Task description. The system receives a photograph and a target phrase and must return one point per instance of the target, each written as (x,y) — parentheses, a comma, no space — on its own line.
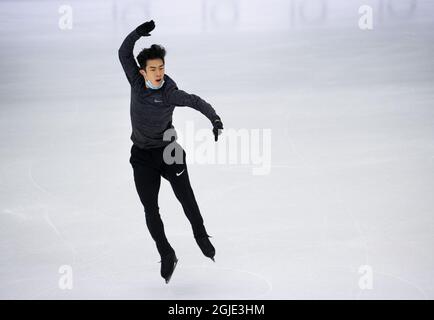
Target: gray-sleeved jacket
(151,110)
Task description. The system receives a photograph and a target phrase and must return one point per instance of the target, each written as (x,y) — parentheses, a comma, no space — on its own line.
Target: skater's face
(154,71)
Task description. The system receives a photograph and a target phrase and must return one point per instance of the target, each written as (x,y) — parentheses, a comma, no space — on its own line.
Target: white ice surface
(351,114)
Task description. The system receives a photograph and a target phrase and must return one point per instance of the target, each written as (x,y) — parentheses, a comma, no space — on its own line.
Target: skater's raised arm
(127,58)
(125,52)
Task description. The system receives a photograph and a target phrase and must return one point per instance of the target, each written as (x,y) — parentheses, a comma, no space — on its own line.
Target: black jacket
(151,110)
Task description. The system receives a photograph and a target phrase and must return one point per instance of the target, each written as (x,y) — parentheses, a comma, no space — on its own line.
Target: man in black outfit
(155,152)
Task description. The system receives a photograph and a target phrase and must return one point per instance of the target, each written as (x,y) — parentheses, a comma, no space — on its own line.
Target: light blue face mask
(151,86)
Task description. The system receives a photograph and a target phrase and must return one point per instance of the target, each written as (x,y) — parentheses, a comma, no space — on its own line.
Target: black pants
(149,166)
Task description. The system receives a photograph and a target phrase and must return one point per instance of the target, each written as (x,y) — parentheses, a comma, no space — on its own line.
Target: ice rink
(344,208)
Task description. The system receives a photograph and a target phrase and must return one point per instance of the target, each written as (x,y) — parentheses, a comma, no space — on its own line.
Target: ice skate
(206,246)
(168,265)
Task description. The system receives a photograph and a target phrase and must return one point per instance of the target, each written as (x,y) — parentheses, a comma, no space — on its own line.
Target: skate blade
(174,266)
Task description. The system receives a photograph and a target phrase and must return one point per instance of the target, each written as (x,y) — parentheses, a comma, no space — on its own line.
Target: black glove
(218,126)
(145,28)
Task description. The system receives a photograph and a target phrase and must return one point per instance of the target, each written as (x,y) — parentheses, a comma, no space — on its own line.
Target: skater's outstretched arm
(181,98)
(126,55)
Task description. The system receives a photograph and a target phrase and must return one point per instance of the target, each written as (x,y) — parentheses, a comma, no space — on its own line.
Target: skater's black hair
(154,52)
